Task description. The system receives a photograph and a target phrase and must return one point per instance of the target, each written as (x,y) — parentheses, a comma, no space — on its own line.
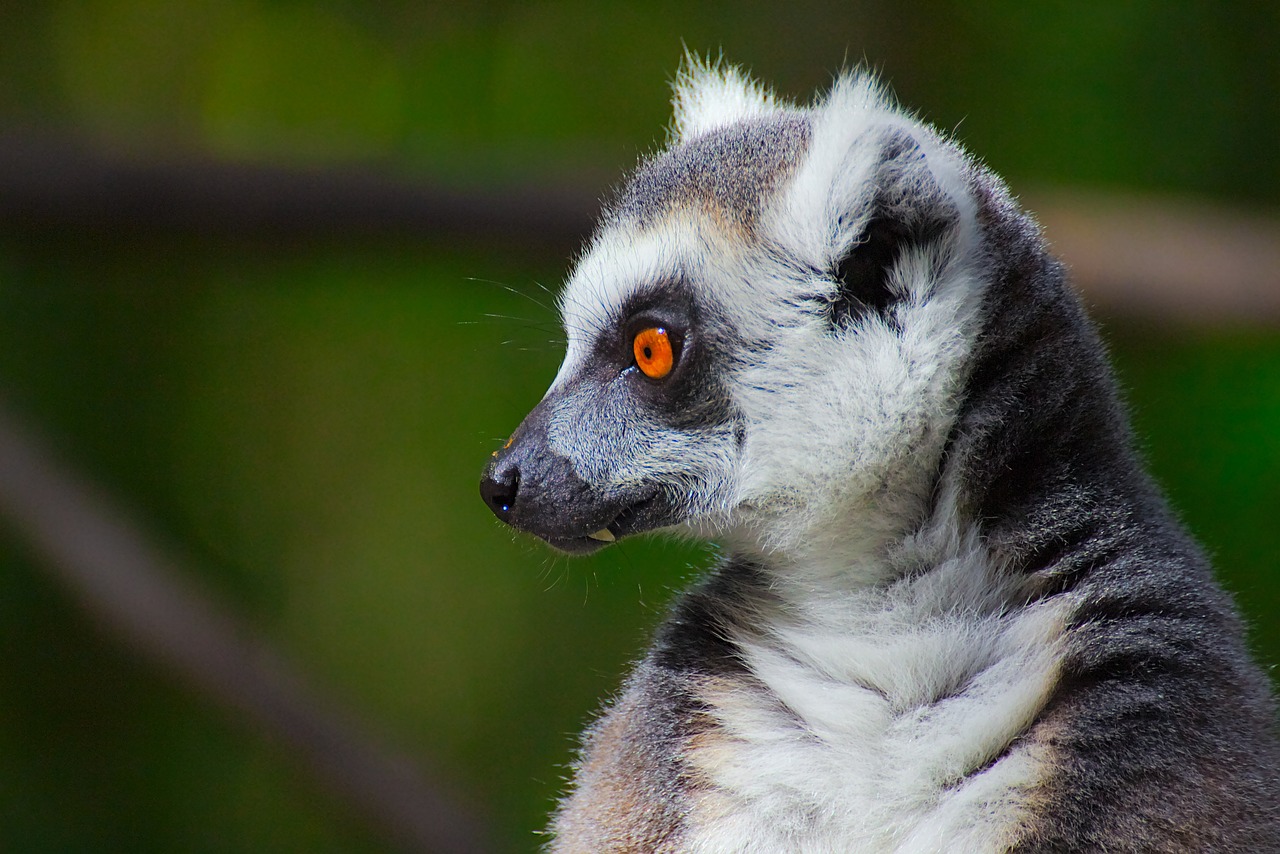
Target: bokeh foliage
(308,421)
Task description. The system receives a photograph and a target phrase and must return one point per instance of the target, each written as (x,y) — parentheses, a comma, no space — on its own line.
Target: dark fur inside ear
(910,209)
(863,273)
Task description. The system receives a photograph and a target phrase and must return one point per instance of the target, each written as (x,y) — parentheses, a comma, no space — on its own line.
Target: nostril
(498,488)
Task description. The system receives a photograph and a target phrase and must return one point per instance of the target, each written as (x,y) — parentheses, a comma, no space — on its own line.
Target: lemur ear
(711,95)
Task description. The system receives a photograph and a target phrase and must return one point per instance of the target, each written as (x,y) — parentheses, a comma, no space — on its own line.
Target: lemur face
(766,330)
(634,426)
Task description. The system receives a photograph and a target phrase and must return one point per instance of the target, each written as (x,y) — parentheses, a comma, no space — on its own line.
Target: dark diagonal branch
(142,593)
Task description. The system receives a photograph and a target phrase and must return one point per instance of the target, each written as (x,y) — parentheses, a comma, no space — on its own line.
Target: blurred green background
(308,420)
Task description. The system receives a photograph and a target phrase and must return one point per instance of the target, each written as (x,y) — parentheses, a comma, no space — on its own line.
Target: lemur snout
(499,486)
(532,488)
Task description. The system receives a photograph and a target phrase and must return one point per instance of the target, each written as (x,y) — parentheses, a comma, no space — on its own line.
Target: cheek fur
(614,444)
(836,423)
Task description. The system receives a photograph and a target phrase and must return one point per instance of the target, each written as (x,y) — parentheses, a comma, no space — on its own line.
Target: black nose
(498,487)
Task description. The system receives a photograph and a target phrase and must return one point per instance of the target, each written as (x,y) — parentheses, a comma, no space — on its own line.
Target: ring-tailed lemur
(953,613)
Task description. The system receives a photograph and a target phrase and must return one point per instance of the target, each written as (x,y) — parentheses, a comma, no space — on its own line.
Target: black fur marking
(909,209)
(692,396)
(863,273)
(1131,609)
(1160,728)
(1058,548)
(695,638)
(1059,563)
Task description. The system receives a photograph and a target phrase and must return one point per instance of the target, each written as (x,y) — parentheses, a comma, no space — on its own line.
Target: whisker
(514,290)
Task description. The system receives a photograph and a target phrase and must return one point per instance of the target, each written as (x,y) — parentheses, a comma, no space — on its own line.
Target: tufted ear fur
(710,95)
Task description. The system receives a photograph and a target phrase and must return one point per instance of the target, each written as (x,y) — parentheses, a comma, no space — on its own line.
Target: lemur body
(953,613)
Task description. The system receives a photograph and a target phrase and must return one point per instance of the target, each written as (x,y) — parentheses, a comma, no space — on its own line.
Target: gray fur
(731,171)
(1163,729)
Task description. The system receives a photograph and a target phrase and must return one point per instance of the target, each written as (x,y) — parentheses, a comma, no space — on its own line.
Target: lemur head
(766,334)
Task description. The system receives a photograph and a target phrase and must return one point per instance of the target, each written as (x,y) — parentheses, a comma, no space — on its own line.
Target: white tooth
(603,535)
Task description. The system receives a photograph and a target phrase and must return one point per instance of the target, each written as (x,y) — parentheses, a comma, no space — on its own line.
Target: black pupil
(648,352)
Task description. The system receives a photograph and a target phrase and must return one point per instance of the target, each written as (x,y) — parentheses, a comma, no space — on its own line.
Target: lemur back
(953,613)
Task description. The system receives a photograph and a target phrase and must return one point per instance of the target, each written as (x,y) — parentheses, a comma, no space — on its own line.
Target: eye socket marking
(653,352)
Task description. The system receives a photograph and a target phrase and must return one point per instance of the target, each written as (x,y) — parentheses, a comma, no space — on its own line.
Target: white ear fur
(840,162)
(711,95)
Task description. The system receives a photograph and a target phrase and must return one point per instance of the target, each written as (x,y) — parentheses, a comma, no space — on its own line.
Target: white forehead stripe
(620,262)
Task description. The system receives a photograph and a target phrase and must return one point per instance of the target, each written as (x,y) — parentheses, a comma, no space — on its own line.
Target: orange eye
(653,352)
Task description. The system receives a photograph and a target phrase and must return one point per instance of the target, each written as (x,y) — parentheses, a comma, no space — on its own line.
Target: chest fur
(900,732)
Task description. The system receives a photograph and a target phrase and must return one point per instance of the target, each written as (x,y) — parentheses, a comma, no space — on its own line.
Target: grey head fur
(729,172)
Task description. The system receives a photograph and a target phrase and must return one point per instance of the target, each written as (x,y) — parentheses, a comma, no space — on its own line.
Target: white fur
(711,95)
(881,704)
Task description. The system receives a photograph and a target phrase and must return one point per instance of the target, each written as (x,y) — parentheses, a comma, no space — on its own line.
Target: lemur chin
(953,612)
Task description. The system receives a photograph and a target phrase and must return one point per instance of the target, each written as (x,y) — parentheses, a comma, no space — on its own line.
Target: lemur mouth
(540,493)
(644,515)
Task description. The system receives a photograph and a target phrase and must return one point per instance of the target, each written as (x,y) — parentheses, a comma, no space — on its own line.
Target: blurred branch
(141,593)
(1168,258)
(1149,257)
(51,184)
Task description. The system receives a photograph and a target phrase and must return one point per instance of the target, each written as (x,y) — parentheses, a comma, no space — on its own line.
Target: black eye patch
(667,305)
